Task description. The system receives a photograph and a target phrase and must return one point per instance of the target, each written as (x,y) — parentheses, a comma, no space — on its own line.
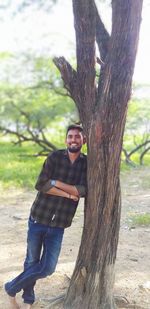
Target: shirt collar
(66,154)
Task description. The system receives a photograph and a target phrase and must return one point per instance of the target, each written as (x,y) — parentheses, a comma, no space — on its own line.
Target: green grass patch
(126,167)
(140,219)
(18,166)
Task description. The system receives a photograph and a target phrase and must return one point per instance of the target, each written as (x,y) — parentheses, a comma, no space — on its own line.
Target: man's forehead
(74,132)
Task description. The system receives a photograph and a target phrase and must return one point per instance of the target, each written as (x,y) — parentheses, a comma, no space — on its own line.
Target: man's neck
(73,155)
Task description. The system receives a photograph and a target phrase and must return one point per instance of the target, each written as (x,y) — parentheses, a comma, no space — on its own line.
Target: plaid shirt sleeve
(82,186)
(43,182)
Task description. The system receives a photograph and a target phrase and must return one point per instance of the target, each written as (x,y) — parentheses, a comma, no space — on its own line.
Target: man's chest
(67,172)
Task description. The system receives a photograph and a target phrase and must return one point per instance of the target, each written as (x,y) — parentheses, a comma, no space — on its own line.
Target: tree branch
(102,36)
(128,155)
(81,83)
(143,154)
(69,77)
(138,147)
(68,74)
(33,137)
(127,158)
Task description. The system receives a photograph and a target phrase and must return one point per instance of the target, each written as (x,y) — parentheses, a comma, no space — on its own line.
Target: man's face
(74,140)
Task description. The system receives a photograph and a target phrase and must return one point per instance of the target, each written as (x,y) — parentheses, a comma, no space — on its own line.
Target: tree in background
(137,132)
(34,103)
(102,108)
(32,108)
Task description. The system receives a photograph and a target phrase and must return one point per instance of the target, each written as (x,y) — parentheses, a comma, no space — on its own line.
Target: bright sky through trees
(53,33)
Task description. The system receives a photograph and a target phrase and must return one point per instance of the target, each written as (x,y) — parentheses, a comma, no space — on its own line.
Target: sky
(53,34)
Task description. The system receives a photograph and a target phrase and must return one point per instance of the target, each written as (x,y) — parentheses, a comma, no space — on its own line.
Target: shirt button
(53,217)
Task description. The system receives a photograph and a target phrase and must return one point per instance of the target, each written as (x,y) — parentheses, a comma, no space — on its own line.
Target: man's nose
(73,138)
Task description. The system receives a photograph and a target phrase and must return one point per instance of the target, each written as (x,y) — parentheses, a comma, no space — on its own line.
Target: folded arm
(76,190)
(67,188)
(59,192)
(63,189)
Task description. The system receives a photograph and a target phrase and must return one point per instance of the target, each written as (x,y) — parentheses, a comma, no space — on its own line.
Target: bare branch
(143,154)
(68,74)
(22,112)
(102,36)
(69,77)
(138,147)
(128,155)
(33,137)
(127,158)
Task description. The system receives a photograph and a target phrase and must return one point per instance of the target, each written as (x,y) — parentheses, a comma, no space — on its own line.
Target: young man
(60,185)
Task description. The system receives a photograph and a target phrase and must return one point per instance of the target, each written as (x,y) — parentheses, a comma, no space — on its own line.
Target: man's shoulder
(83,156)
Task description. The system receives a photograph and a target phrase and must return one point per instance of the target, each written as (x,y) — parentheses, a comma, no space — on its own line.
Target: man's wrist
(53,182)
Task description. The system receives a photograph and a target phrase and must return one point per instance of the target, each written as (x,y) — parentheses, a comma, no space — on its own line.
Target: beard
(74,149)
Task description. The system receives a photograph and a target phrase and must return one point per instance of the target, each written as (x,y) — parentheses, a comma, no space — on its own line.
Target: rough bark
(102,110)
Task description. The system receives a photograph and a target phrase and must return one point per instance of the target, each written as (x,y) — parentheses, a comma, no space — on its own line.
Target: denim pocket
(31,220)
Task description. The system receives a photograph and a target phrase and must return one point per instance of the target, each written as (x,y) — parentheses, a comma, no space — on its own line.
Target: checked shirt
(57,211)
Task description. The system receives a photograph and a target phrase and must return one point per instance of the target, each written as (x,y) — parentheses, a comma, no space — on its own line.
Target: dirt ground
(133,259)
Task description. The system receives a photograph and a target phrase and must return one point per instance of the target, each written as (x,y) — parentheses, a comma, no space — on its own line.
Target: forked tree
(102,107)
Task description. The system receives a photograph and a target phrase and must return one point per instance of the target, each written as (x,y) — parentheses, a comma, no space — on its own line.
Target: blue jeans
(43,248)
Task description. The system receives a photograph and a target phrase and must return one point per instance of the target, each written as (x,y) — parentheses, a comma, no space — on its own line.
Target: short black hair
(74,127)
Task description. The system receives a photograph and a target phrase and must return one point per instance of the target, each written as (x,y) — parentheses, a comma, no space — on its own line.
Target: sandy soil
(133,259)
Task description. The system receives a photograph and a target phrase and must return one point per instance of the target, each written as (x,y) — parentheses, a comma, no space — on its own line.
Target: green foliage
(17,167)
(140,219)
(138,117)
(137,130)
(43,103)
(125,167)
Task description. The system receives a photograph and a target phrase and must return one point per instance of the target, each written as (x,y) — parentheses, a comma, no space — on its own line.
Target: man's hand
(73,197)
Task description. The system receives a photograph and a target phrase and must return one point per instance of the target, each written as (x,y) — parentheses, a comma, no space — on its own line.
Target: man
(61,183)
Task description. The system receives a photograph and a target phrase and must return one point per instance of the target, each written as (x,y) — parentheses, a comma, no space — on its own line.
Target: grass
(18,167)
(140,219)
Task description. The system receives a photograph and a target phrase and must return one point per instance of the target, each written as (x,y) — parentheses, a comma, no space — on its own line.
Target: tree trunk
(102,109)
(92,282)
